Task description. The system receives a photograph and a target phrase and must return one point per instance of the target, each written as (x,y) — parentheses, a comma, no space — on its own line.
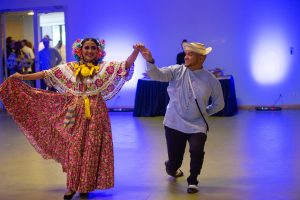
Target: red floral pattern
(110,88)
(99,82)
(58,73)
(69,84)
(110,69)
(120,71)
(81,87)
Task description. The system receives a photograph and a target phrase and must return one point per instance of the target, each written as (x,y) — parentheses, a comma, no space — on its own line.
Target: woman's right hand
(17,75)
(29,77)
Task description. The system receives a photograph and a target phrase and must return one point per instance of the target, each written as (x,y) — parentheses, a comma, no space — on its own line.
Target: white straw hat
(196,47)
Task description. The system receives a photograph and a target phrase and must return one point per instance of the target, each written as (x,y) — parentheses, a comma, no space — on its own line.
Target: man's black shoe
(177,174)
(192,189)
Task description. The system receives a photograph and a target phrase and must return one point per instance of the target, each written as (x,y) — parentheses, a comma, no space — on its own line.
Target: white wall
(15,29)
(235,29)
(28,29)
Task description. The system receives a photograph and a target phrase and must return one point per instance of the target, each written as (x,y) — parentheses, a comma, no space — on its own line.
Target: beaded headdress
(77,49)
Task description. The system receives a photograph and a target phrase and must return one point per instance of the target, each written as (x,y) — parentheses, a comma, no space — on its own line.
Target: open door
(3,71)
(50,24)
(32,25)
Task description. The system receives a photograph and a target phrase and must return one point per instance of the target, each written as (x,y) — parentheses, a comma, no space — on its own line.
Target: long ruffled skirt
(84,150)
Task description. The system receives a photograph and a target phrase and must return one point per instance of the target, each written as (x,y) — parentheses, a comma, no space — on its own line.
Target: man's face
(193,60)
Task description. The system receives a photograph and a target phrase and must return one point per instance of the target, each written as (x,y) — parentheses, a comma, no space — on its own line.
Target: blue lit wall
(251,40)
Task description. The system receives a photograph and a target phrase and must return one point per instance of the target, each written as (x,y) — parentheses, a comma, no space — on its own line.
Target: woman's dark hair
(90,39)
(18,48)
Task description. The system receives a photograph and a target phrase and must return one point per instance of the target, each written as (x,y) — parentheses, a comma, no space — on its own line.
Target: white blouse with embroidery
(108,80)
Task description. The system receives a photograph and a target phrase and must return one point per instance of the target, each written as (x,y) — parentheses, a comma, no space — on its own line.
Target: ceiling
(46,19)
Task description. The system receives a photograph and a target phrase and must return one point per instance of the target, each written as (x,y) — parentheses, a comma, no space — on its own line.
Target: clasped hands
(146,53)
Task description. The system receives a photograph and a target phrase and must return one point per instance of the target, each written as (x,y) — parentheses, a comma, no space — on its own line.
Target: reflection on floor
(250,156)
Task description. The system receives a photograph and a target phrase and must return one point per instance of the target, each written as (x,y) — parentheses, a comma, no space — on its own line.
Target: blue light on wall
(270,57)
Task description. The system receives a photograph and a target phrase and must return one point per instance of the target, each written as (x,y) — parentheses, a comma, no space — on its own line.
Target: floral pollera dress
(57,126)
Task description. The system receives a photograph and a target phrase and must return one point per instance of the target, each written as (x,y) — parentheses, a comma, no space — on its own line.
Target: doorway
(31,25)
(53,25)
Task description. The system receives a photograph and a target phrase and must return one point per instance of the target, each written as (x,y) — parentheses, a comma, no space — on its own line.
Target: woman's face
(89,51)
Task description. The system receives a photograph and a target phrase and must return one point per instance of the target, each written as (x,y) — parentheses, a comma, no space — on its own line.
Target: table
(151,98)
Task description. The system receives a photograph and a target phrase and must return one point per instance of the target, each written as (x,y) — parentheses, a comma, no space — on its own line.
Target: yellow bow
(92,68)
(85,70)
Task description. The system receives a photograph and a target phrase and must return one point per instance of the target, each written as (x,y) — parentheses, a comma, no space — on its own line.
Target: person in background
(180,55)
(62,50)
(18,61)
(11,60)
(190,88)
(49,57)
(28,51)
(9,45)
(72,126)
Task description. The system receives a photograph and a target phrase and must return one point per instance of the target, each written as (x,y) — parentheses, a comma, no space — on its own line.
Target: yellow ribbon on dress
(85,69)
(87,107)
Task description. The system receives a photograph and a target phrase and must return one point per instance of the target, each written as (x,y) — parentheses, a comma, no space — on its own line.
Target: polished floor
(250,156)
